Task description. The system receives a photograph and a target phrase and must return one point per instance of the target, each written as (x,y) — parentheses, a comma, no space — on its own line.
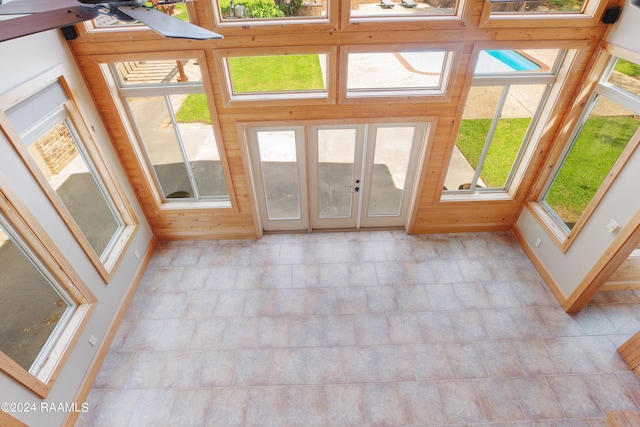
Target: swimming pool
(496,61)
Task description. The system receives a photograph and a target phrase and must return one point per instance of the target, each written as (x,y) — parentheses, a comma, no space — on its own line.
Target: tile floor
(360,329)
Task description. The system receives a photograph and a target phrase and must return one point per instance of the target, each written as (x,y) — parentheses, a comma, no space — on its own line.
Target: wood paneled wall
(429,213)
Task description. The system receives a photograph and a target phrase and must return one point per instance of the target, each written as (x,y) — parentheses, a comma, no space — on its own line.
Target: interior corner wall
(621,202)
(22,60)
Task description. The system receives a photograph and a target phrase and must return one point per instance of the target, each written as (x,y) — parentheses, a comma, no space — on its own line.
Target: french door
(335,176)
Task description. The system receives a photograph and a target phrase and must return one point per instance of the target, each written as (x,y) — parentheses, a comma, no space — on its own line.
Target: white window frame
(440,94)
(309,97)
(553,224)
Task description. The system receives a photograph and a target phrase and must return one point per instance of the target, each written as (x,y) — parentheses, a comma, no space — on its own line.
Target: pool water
(499,61)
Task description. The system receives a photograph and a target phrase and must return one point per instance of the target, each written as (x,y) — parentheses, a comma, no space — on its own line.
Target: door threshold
(333,230)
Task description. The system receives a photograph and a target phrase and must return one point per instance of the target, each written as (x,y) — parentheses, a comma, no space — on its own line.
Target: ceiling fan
(42,15)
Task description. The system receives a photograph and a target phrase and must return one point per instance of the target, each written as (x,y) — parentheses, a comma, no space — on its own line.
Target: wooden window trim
(130,225)
(43,246)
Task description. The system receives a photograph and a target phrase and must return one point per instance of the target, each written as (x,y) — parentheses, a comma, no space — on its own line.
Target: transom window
(402,9)
(239,11)
(500,7)
(419,72)
(255,77)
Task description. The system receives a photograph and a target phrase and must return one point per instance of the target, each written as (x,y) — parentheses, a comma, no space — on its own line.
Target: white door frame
(307,173)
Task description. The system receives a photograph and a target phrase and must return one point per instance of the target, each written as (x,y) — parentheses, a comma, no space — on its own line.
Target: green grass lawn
(194,109)
(593,155)
(503,149)
(282,73)
(599,145)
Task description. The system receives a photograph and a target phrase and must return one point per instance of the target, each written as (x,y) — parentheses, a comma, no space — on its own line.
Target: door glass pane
(31,307)
(153,119)
(58,156)
(390,163)
(279,167)
(336,151)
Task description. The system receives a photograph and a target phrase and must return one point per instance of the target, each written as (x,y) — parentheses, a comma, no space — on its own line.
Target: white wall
(23,59)
(621,202)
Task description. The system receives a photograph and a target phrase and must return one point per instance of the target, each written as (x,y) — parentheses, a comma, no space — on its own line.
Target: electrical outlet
(93,340)
(538,242)
(137,254)
(613,227)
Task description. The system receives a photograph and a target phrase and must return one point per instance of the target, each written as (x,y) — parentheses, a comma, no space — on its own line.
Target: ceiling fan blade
(31,24)
(167,25)
(23,7)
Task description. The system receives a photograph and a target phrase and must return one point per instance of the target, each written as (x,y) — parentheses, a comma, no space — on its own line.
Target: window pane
(625,76)
(194,125)
(178,11)
(58,156)
(271,10)
(278,73)
(394,71)
(492,62)
(32,309)
(519,108)
(390,163)
(336,153)
(474,130)
(157,72)
(489,144)
(160,140)
(402,8)
(597,147)
(279,162)
(520,7)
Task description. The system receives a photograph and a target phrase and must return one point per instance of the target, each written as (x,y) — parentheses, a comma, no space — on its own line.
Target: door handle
(357,187)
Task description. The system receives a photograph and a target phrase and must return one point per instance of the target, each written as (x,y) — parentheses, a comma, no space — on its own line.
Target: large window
(62,155)
(42,306)
(605,137)
(503,105)
(167,104)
